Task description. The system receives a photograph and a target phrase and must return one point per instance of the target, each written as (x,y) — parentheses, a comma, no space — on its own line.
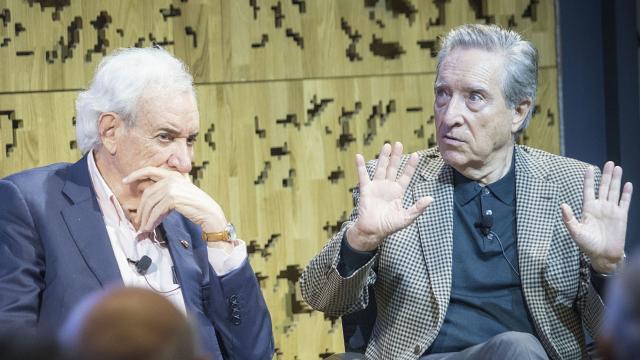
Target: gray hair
(121,81)
(520,79)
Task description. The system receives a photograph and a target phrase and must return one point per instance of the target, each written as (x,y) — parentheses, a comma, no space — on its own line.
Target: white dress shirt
(127,243)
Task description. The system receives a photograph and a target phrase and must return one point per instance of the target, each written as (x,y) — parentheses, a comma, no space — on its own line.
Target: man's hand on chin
(170,190)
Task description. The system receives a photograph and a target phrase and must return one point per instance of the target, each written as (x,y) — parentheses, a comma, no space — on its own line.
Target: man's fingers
(394,163)
(383,161)
(625,199)
(588,191)
(150,191)
(143,217)
(418,208)
(149,172)
(614,189)
(569,219)
(158,213)
(605,182)
(363,176)
(409,169)
(150,197)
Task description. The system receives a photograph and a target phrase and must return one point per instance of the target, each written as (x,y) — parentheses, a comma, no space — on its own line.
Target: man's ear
(519,114)
(108,124)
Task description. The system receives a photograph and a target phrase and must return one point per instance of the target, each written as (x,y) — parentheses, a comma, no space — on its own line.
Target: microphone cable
(485,228)
(491,235)
(142,266)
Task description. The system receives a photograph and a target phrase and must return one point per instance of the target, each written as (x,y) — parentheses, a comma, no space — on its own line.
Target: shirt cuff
(351,259)
(223,262)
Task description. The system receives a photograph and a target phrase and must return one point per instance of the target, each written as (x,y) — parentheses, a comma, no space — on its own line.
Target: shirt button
(417,350)
(485,191)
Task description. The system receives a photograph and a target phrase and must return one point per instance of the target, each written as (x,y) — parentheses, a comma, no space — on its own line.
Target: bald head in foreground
(129,324)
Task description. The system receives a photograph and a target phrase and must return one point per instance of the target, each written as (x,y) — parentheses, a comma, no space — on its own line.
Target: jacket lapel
(435,226)
(86,225)
(187,270)
(536,208)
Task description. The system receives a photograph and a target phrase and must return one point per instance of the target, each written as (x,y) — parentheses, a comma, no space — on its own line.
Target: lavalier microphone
(141,265)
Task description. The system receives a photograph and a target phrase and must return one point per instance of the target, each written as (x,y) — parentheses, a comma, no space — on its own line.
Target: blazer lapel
(86,225)
(536,208)
(435,226)
(187,269)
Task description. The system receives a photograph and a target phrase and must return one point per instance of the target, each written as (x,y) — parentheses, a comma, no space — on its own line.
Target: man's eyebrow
(476,88)
(169,130)
(175,132)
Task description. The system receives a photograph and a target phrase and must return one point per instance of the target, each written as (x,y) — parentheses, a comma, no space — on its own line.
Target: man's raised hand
(380,210)
(601,231)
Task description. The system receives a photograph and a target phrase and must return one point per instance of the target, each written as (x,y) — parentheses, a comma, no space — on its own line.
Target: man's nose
(180,158)
(454,112)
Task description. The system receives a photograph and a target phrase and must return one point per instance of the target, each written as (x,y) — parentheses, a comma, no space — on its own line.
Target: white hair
(520,80)
(121,81)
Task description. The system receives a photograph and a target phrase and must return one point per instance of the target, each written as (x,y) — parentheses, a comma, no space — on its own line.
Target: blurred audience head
(620,337)
(128,323)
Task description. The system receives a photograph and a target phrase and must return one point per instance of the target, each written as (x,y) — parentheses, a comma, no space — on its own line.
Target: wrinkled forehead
(180,111)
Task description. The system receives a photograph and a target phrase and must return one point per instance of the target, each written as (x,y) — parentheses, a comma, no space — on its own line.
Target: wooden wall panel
(225,43)
(280,122)
(63,53)
(544,130)
(36,129)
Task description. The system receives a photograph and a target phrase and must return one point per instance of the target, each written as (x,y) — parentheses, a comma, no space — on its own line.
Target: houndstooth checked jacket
(411,271)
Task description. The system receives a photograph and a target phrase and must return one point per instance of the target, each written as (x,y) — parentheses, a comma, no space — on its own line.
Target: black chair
(357,326)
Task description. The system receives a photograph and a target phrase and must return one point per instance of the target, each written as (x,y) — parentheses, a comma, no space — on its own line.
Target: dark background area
(598,47)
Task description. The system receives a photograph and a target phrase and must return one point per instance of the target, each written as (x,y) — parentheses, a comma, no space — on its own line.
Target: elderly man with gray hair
(127,213)
(472,248)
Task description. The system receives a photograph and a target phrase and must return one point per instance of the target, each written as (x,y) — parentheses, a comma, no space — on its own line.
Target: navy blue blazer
(55,250)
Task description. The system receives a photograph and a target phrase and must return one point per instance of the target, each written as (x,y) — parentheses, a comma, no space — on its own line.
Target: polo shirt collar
(504,189)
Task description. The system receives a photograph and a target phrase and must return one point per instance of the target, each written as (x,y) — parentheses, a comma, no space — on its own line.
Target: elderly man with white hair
(472,248)
(127,213)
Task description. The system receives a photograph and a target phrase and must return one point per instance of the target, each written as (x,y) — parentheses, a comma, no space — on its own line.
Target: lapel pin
(185,244)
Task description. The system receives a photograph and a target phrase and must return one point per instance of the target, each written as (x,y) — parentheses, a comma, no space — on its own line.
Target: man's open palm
(601,231)
(380,210)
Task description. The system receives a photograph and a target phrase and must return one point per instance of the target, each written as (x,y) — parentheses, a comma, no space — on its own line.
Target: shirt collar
(503,189)
(465,188)
(111,209)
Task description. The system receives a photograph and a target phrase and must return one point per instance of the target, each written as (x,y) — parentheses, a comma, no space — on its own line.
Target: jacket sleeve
(321,284)
(21,263)
(589,301)
(239,313)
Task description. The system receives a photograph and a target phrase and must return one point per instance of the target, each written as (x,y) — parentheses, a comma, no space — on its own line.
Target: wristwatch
(228,234)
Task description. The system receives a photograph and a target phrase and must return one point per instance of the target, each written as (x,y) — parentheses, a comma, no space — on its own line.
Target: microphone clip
(486,222)
(142,265)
